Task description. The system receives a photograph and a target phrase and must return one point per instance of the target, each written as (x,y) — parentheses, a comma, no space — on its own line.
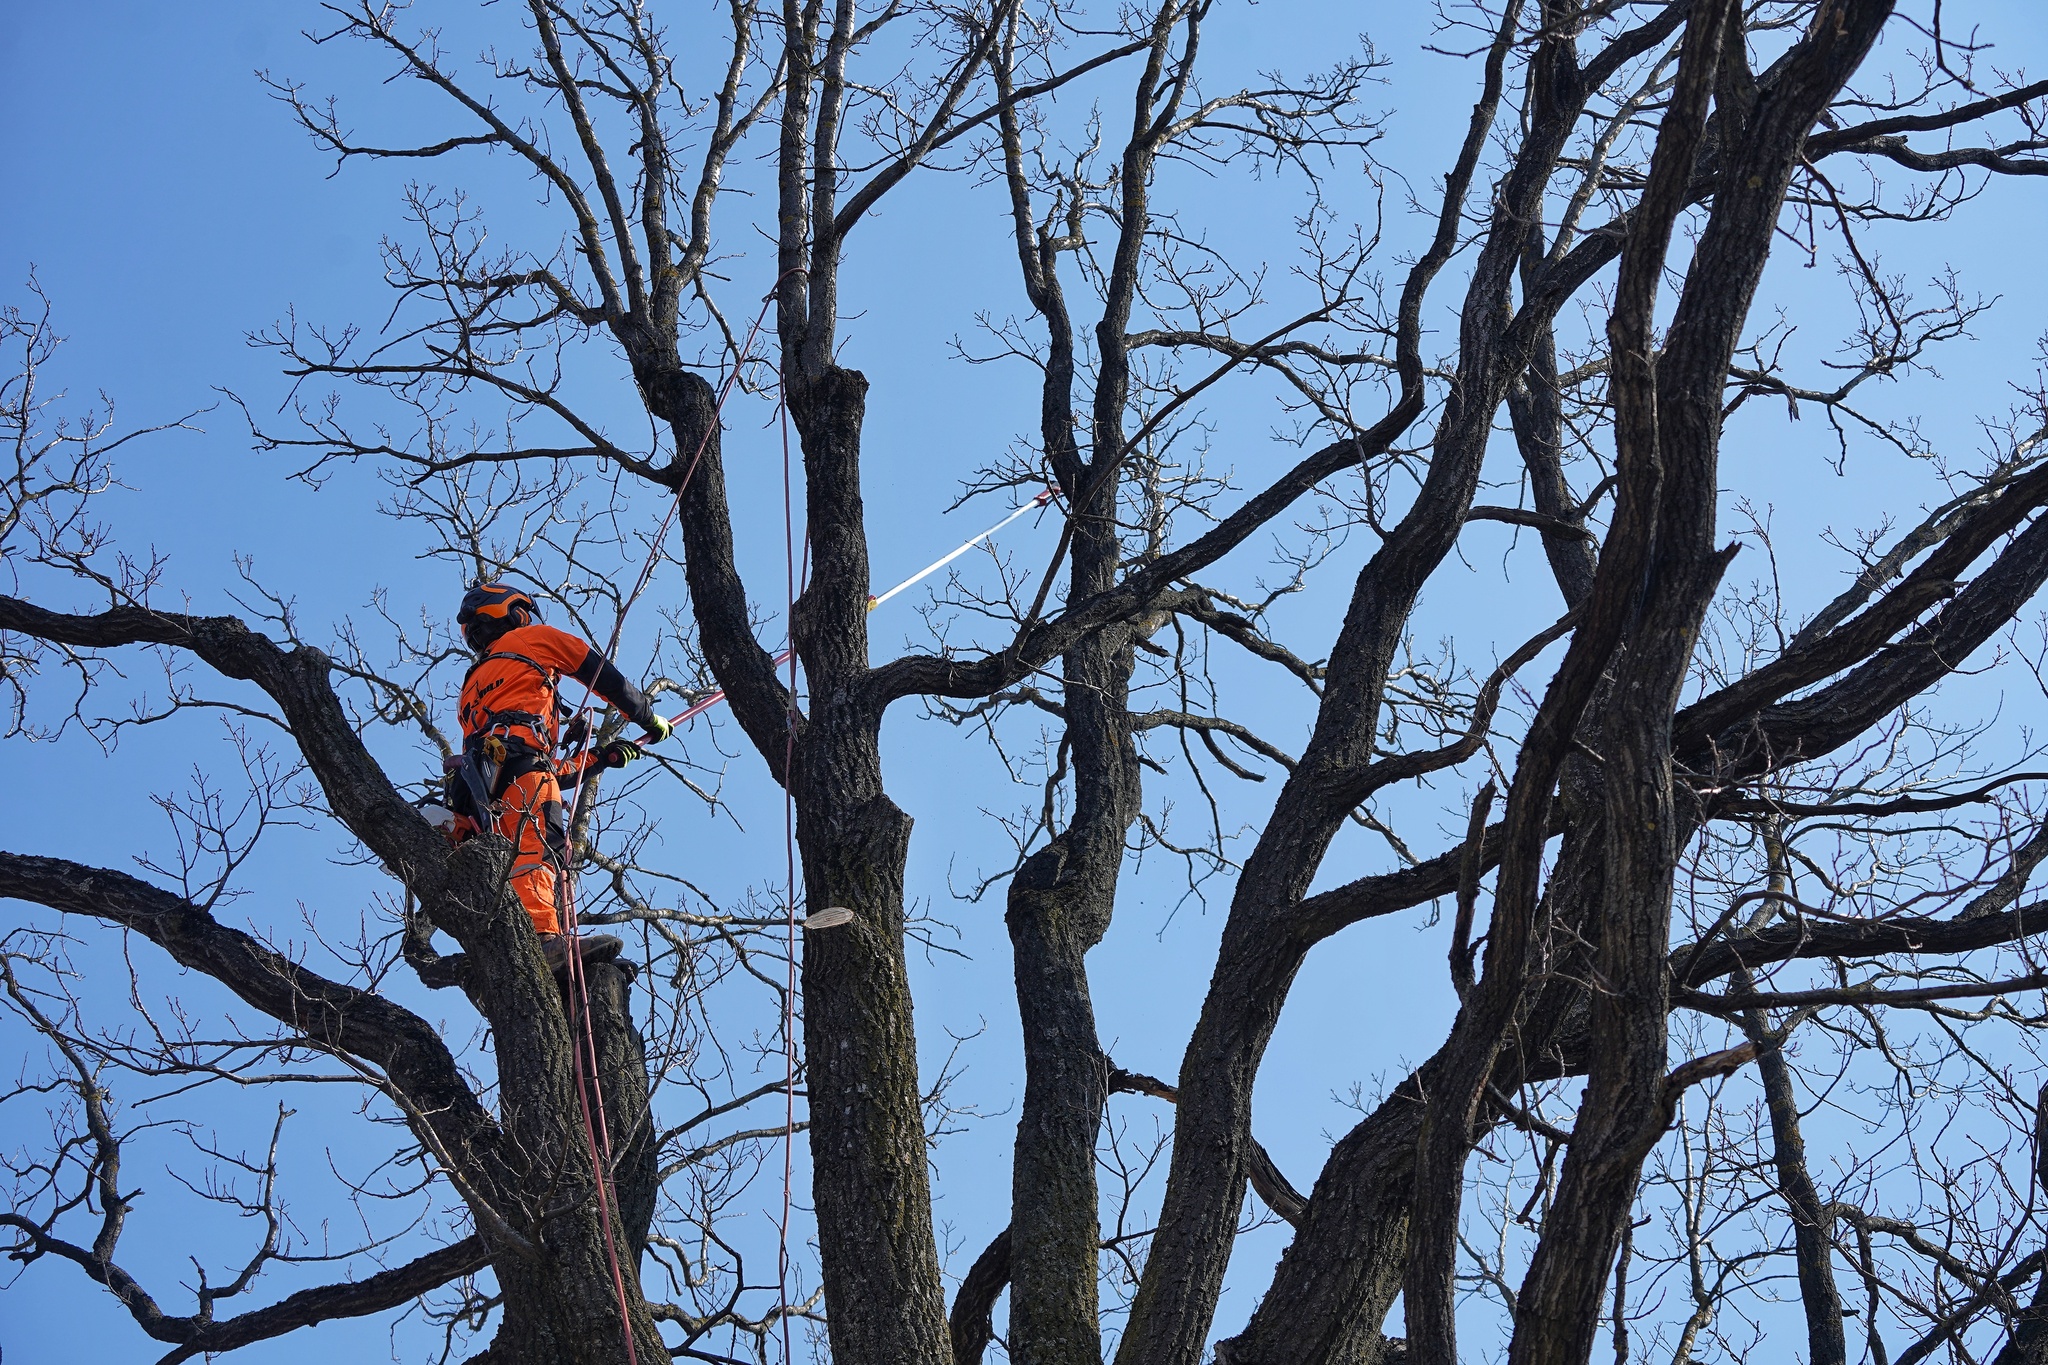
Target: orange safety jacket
(511,690)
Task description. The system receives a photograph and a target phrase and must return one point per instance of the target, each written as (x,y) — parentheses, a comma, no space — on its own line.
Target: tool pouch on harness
(491,759)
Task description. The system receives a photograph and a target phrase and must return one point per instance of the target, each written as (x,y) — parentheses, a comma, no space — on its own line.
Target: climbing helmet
(498,604)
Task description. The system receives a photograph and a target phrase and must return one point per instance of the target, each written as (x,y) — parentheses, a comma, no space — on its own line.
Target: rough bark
(1340,1275)
(885,1299)
(1333,1288)
(1677,433)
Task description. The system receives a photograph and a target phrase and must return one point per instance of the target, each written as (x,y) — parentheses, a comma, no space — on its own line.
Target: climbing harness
(500,747)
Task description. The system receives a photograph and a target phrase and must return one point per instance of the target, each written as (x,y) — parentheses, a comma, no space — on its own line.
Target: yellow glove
(660,730)
(619,753)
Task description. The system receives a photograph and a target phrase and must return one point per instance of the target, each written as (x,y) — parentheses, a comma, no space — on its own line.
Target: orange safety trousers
(531,817)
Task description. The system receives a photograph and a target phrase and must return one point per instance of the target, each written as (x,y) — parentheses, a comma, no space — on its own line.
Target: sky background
(169,207)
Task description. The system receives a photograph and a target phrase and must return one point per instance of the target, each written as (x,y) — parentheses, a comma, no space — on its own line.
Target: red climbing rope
(789,899)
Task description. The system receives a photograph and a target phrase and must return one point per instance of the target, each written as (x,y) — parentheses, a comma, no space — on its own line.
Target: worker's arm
(560,650)
(602,676)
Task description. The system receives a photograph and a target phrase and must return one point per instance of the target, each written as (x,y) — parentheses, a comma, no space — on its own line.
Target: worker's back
(514,684)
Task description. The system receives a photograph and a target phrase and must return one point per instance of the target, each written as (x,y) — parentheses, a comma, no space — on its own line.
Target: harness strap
(494,719)
(534,664)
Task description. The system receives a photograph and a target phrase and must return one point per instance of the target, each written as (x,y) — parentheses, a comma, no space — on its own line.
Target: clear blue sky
(168,206)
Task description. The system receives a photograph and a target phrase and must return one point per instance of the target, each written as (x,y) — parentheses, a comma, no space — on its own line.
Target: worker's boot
(590,947)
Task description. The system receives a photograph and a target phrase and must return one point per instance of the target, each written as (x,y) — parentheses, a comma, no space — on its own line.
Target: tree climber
(509,776)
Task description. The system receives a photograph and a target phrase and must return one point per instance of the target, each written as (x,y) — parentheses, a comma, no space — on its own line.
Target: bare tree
(1742,814)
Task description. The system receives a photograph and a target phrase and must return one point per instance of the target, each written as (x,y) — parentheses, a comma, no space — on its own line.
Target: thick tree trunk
(563,1311)
(1059,908)
(1341,1274)
(561,1306)
(1559,1308)
(1212,1133)
(885,1301)
(629,1122)
(1060,905)
(884,1298)
(561,1297)
(1054,1226)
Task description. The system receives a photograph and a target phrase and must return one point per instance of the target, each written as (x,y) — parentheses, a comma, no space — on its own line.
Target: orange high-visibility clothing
(533,819)
(510,693)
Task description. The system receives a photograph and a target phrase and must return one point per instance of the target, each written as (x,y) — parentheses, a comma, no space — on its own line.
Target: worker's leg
(533,821)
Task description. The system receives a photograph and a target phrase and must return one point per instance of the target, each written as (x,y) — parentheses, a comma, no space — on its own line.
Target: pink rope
(789,901)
